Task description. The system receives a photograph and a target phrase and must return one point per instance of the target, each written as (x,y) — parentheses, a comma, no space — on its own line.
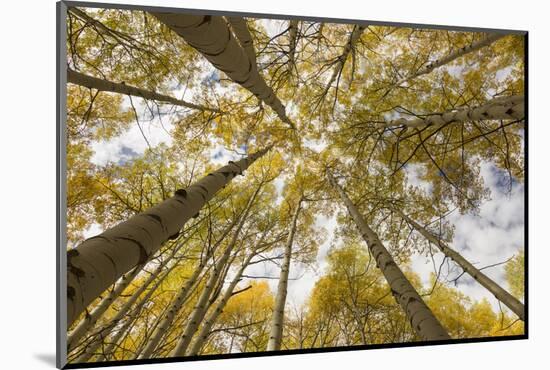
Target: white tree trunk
(277,320)
(502,295)
(201,306)
(91,82)
(421,318)
(210,36)
(502,108)
(350,46)
(218,309)
(241,32)
(126,312)
(486,41)
(107,327)
(293,35)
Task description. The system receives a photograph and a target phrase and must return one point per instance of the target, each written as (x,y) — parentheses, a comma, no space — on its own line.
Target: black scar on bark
(78,272)
(72,253)
(181,193)
(70,292)
(174,237)
(510,111)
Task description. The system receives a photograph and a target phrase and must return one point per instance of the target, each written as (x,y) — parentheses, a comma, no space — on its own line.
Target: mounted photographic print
(235,185)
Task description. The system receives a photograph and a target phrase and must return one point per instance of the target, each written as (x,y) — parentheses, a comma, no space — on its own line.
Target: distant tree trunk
(182,296)
(210,36)
(421,318)
(99,261)
(501,108)
(218,309)
(293,35)
(350,46)
(90,319)
(201,306)
(91,82)
(474,46)
(276,332)
(502,295)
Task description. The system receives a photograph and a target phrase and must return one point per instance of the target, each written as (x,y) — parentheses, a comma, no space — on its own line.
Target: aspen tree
(99,84)
(99,261)
(212,38)
(502,295)
(182,296)
(501,108)
(422,320)
(276,333)
(201,306)
(448,58)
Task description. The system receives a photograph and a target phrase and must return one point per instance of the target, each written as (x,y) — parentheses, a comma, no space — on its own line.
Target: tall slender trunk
(210,36)
(293,35)
(182,296)
(508,107)
(502,295)
(91,82)
(474,46)
(421,318)
(218,309)
(126,312)
(90,319)
(201,306)
(350,46)
(99,261)
(276,332)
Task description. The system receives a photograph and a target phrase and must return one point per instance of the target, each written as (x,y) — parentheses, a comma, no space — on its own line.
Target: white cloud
(492,237)
(113,150)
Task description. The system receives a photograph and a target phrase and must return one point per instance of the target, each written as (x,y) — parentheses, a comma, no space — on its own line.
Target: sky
(493,236)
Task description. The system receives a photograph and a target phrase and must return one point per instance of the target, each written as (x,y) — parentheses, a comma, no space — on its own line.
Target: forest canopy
(237,184)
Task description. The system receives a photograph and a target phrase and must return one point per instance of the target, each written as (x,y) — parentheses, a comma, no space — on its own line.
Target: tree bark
(276,332)
(502,108)
(241,32)
(91,82)
(90,319)
(421,318)
(99,261)
(502,295)
(210,36)
(201,306)
(474,46)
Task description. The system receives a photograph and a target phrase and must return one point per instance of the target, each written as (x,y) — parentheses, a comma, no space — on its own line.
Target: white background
(27,182)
